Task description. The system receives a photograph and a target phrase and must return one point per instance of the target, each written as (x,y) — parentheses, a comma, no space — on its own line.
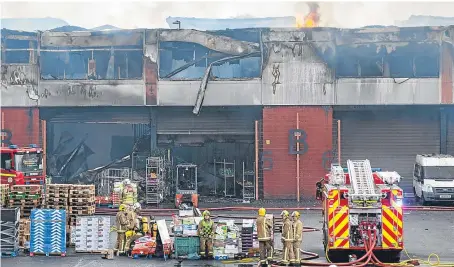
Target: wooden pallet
(20,195)
(57,207)
(63,254)
(37,189)
(57,194)
(82,212)
(56,199)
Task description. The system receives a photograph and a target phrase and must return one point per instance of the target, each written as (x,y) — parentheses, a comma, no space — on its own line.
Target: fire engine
(22,165)
(360,204)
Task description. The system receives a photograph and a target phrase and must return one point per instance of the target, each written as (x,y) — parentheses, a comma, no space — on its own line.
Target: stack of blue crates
(48,232)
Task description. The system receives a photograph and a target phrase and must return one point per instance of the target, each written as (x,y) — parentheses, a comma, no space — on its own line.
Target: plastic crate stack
(116,195)
(81,201)
(225,244)
(4,191)
(24,233)
(48,232)
(249,241)
(25,197)
(92,233)
(9,231)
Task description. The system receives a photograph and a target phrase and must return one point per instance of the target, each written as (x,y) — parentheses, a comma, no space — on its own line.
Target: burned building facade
(243,96)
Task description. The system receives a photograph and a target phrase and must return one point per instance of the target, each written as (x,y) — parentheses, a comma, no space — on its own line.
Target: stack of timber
(25,197)
(82,201)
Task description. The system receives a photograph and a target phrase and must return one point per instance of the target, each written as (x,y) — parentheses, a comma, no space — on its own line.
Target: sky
(152,14)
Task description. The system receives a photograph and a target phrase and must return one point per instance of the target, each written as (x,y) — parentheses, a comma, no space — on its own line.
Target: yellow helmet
(122,207)
(284,213)
(262,212)
(144,219)
(206,213)
(296,214)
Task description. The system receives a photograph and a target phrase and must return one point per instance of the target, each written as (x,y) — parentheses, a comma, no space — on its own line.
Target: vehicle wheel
(424,202)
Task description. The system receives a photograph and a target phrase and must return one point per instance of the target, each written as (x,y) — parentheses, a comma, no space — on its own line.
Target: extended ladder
(361,178)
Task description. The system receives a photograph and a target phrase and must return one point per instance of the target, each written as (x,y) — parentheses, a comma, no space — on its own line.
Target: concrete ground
(425,233)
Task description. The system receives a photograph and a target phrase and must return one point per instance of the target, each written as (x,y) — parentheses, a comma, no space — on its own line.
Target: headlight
(429,189)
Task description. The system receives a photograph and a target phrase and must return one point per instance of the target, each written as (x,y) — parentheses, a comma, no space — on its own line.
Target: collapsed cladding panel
(92,56)
(186,54)
(19,47)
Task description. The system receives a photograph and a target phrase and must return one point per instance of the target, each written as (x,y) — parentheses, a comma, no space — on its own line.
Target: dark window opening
(4,158)
(175,56)
(91,64)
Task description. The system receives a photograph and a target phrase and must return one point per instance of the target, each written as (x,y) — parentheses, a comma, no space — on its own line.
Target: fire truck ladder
(361,177)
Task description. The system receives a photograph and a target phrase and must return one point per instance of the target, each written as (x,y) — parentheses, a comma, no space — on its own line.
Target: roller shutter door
(450,134)
(210,121)
(389,139)
(124,115)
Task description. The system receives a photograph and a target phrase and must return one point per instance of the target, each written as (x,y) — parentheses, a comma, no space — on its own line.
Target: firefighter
(128,195)
(132,226)
(287,238)
(122,224)
(206,231)
(264,231)
(297,235)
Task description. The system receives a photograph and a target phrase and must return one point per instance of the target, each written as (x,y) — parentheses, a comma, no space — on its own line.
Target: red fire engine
(22,165)
(362,212)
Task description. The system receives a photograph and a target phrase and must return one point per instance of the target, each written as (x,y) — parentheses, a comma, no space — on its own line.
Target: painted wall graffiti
(18,75)
(85,90)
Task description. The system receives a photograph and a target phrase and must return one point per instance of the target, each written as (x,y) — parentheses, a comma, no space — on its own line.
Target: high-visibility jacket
(298,230)
(264,228)
(206,228)
(287,230)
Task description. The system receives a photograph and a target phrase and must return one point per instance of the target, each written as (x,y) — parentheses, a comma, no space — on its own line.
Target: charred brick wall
(279,159)
(20,126)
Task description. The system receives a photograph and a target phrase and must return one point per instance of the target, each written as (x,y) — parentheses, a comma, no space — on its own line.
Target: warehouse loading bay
(426,232)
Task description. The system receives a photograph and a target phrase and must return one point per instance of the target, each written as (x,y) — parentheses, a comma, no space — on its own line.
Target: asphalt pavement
(425,232)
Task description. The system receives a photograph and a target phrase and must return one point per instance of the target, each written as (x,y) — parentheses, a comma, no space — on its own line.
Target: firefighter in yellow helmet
(287,238)
(206,232)
(264,231)
(297,235)
(132,226)
(122,224)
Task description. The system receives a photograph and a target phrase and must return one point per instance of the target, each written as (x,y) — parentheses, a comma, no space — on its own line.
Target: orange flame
(311,20)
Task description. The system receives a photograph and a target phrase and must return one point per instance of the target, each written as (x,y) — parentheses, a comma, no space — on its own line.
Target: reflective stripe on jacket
(264,228)
(287,230)
(298,230)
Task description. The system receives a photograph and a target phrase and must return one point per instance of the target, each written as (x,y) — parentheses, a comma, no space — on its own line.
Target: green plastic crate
(186,245)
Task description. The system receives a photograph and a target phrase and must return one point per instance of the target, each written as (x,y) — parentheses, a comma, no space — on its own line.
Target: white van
(433,178)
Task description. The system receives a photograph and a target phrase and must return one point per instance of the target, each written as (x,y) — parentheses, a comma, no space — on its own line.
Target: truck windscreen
(438,172)
(28,162)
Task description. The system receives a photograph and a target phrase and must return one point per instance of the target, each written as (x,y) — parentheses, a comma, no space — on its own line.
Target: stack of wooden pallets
(57,196)
(4,191)
(81,201)
(24,233)
(25,197)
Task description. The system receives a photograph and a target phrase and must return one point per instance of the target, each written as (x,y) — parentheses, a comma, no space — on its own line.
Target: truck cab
(22,165)
(433,178)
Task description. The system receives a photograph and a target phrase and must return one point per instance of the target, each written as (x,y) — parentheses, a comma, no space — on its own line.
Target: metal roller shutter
(390,139)
(125,115)
(450,135)
(210,121)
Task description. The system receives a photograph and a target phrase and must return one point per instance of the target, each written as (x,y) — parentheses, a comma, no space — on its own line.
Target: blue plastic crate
(48,231)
